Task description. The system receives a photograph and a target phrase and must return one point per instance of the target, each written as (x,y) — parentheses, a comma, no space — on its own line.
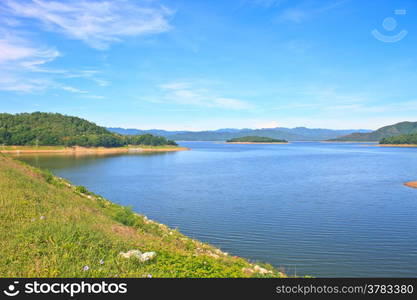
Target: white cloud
(304,12)
(96,23)
(16,83)
(89,74)
(101,82)
(17,51)
(22,67)
(72,89)
(186,93)
(20,60)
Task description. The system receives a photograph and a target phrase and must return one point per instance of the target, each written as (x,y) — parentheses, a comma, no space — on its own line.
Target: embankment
(51,228)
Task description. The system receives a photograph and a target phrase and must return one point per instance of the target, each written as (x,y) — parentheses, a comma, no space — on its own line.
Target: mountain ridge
(291,134)
(388,131)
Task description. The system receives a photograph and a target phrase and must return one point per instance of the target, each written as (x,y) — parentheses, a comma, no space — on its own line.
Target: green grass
(50,228)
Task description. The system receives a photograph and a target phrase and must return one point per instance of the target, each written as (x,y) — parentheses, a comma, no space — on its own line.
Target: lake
(322,209)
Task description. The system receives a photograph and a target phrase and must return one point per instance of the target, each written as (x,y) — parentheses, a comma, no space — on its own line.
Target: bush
(48,176)
(81,189)
(125,216)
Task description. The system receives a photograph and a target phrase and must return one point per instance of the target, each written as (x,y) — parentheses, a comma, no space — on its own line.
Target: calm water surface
(311,208)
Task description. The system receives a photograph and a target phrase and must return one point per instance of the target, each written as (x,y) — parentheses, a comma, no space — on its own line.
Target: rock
(220,252)
(248,271)
(213,255)
(130,253)
(139,255)
(256,269)
(261,270)
(148,256)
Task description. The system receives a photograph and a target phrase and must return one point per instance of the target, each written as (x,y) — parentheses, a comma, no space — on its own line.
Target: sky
(202,65)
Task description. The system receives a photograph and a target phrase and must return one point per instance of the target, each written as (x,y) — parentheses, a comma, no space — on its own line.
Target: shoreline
(411,184)
(88,150)
(356,142)
(257,143)
(398,145)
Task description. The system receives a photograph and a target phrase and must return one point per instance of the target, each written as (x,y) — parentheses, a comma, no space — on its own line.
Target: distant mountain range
(289,134)
(381,133)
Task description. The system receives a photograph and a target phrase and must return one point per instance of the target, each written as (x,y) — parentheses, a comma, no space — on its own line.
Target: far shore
(397,145)
(364,142)
(374,144)
(256,143)
(411,184)
(87,150)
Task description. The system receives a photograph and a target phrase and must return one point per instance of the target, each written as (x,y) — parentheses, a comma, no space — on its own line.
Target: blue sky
(212,64)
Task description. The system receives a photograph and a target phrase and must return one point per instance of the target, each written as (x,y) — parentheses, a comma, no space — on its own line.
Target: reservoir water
(320,209)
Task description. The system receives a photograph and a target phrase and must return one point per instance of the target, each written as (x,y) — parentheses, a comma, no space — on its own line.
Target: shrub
(125,216)
(81,189)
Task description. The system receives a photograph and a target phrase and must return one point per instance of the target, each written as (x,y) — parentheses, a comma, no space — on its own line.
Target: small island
(256,140)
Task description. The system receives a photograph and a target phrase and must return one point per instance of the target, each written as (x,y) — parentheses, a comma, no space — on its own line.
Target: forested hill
(255,139)
(56,129)
(382,133)
(404,139)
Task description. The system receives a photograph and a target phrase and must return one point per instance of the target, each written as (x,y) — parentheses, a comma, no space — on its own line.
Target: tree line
(256,139)
(401,139)
(53,129)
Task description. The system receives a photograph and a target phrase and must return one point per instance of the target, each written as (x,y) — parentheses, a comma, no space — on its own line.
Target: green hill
(381,133)
(255,139)
(50,228)
(52,129)
(404,139)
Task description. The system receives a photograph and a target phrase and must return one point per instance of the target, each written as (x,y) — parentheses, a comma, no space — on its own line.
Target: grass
(50,228)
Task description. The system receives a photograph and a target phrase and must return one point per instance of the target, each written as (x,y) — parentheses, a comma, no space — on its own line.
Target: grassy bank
(77,149)
(50,228)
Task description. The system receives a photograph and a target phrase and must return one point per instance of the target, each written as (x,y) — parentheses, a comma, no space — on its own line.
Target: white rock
(139,255)
(130,253)
(147,256)
(260,270)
